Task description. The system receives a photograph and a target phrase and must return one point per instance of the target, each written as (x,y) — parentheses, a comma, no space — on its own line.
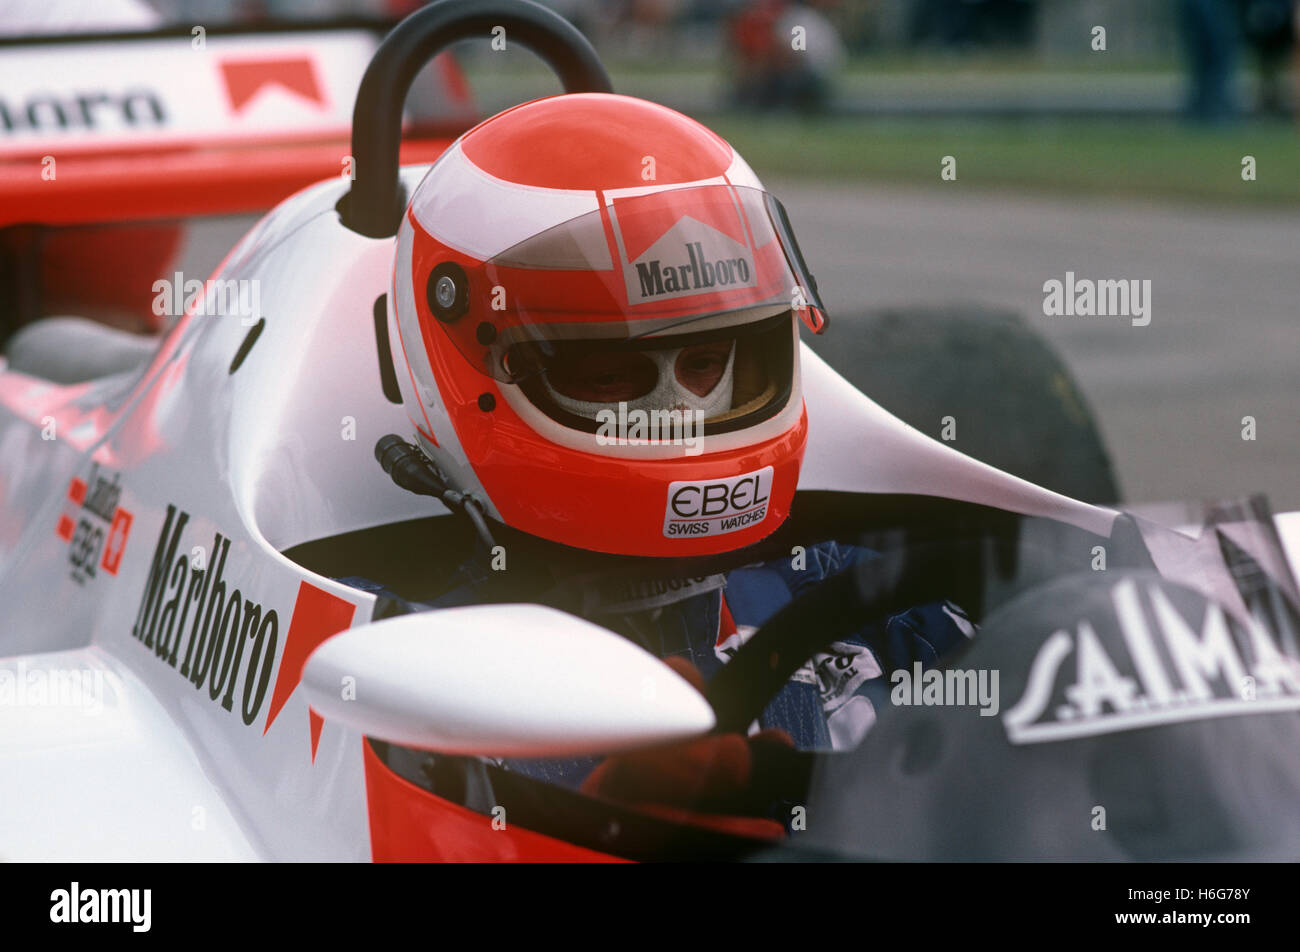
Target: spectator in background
(1211,39)
(787,56)
(963,24)
(753,37)
(1268,27)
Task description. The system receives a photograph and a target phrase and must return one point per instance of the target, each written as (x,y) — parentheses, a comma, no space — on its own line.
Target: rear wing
(192,121)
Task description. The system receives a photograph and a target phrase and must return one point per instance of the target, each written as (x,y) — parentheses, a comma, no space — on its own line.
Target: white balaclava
(668,392)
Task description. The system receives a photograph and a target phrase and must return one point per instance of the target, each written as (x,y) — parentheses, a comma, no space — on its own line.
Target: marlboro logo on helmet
(697,274)
(683,242)
(674,260)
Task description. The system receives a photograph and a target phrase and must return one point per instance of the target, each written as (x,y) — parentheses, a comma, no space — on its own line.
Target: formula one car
(213,646)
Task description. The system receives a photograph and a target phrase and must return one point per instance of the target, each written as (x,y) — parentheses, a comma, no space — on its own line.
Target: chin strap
(415,472)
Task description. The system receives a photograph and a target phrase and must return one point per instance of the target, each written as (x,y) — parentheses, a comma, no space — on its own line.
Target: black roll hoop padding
(375,203)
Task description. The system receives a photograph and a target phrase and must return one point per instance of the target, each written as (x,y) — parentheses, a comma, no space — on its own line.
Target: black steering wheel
(374,205)
(911,569)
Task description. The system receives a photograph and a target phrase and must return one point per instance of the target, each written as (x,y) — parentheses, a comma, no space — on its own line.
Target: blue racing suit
(828,704)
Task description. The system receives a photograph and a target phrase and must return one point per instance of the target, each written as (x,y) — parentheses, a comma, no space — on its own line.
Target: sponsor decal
(94,525)
(838,673)
(245,78)
(196,619)
(1168,672)
(716,507)
(230,649)
(625,596)
(682,243)
(317,614)
(95,110)
(696,273)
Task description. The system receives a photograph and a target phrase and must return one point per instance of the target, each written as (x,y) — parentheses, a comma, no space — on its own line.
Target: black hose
(412,470)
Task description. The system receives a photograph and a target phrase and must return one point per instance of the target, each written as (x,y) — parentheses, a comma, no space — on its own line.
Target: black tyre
(1013,402)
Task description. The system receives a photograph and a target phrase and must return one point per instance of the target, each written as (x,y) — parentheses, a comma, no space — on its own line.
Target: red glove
(668,781)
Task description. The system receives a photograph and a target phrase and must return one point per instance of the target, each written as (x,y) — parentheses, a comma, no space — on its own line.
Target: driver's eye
(702,363)
(700,368)
(608,380)
(604,377)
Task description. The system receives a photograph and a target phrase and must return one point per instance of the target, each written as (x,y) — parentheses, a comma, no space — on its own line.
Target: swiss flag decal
(116,542)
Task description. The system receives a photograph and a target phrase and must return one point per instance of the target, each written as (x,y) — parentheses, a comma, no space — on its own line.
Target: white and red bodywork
(231,470)
(165,127)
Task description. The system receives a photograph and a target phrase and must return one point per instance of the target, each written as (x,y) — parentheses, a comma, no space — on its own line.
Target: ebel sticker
(94,525)
(715,507)
(1167,672)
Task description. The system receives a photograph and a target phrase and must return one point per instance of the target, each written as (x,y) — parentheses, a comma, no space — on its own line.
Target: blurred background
(1102,137)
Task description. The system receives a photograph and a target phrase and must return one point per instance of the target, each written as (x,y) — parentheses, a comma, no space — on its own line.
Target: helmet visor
(665,262)
(724,379)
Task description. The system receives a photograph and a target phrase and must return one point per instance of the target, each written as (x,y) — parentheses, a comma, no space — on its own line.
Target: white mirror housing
(501,681)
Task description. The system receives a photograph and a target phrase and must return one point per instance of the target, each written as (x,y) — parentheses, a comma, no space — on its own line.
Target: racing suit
(828,704)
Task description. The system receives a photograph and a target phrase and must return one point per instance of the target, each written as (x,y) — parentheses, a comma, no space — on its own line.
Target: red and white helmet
(596,307)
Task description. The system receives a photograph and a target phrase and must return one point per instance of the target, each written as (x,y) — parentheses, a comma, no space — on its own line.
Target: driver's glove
(705,781)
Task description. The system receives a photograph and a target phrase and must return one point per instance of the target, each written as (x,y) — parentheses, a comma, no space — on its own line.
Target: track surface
(1224,337)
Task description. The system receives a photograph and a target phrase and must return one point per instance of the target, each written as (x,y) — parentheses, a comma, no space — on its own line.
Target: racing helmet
(594,322)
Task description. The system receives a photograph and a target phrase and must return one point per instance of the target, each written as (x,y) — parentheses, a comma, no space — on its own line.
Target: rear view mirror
(501,680)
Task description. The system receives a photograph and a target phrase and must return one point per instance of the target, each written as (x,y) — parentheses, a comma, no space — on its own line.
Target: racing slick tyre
(982,381)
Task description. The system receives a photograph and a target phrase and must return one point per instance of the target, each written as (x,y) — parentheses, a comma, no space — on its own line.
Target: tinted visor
(595,373)
(673,261)
(730,377)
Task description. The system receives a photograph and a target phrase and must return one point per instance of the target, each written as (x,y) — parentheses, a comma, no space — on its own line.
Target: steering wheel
(870,591)
(909,571)
(374,205)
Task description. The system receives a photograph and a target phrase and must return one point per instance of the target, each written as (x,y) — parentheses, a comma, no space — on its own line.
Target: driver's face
(612,375)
